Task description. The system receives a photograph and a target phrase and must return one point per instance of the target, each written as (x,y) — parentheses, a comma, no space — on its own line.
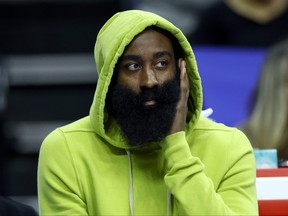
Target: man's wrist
(175,148)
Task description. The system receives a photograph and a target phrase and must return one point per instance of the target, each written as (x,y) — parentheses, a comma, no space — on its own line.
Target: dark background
(47,79)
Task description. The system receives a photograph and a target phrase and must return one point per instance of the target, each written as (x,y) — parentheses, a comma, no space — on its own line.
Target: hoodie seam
(62,133)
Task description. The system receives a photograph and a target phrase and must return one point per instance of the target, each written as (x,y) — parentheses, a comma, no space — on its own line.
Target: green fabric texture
(87,167)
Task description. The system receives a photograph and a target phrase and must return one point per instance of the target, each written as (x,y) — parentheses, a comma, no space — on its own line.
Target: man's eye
(161,64)
(133,66)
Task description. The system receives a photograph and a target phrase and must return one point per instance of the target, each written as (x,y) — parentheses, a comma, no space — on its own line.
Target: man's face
(147,62)
(143,99)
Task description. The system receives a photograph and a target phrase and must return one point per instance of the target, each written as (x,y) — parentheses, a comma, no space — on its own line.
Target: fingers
(182,66)
(184,80)
(181,108)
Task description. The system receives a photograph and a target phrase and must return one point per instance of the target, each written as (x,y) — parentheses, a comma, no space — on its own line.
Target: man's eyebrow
(130,58)
(161,54)
(138,58)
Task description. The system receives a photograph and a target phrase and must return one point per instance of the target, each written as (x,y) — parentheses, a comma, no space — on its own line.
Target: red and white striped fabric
(272,191)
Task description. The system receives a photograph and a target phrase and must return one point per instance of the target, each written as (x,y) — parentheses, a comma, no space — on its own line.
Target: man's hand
(182,107)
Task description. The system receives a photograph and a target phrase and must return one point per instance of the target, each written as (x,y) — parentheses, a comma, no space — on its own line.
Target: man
(144,149)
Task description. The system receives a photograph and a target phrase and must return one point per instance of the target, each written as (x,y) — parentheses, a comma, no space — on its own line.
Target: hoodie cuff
(176,149)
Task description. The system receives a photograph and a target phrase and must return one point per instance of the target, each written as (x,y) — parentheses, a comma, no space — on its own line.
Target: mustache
(159,93)
(163,94)
(148,94)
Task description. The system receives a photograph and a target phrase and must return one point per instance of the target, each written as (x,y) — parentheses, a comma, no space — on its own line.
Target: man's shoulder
(211,132)
(73,136)
(80,125)
(209,124)
(73,129)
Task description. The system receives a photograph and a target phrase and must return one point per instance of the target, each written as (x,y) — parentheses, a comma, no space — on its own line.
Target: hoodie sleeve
(58,188)
(195,193)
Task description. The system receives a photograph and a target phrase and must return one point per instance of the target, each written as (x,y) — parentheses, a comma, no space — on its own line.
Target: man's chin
(133,141)
(143,126)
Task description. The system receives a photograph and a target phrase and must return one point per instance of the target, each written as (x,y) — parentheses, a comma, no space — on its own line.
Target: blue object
(229,75)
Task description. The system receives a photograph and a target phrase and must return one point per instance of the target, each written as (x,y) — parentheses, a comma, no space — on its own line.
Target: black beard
(141,124)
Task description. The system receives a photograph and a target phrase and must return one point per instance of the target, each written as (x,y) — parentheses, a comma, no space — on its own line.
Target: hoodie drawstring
(131,199)
(168,203)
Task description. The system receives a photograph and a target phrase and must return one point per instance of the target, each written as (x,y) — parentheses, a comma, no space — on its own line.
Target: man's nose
(148,78)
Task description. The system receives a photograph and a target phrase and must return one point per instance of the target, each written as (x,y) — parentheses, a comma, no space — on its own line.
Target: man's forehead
(154,31)
(149,39)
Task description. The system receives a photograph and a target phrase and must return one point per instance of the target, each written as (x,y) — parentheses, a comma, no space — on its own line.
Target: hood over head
(113,37)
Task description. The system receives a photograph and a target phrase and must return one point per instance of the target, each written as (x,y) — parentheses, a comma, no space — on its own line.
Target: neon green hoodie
(87,167)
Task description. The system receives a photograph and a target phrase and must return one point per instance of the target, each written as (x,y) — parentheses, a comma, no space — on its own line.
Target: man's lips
(149,102)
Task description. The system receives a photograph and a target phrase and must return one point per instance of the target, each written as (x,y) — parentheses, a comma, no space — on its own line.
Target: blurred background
(48,74)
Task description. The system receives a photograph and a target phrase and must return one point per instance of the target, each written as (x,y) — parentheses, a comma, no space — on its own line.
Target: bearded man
(144,149)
